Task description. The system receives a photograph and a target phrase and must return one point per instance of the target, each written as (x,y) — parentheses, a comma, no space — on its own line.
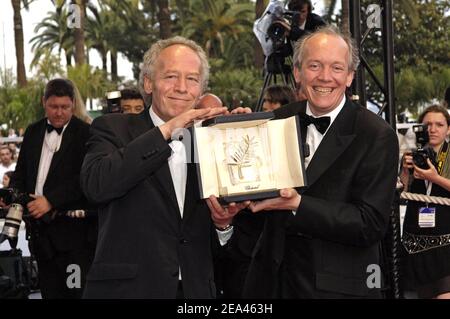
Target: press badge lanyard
(442,155)
(428,186)
(427,215)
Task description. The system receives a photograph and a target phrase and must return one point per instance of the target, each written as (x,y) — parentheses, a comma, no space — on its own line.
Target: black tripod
(276,65)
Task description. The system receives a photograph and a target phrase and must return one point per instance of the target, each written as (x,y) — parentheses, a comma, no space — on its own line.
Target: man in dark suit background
(324,241)
(155,232)
(48,168)
(304,21)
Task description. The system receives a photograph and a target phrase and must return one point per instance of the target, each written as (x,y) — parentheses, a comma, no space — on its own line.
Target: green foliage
(421,60)
(129,30)
(218,20)
(52,33)
(91,82)
(47,67)
(237,87)
(224,29)
(424,46)
(19,106)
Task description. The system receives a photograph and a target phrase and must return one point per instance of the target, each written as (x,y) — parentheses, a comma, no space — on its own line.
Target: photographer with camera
(426,229)
(303,20)
(131,101)
(48,169)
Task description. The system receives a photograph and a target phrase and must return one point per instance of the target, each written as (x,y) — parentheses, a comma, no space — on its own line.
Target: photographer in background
(303,21)
(48,169)
(131,101)
(426,229)
(6,161)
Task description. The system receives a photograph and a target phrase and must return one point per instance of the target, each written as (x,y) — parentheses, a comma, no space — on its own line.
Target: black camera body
(280,30)
(422,153)
(113,102)
(12,195)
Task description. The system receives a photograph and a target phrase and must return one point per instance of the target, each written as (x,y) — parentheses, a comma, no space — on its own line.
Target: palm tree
(213,20)
(91,82)
(48,67)
(18,40)
(345,23)
(96,29)
(107,29)
(80,56)
(165,30)
(52,33)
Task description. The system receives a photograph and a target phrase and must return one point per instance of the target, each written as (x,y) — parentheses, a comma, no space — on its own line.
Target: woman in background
(426,229)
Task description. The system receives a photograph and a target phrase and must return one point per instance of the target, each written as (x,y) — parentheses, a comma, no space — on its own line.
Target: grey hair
(353,57)
(152,54)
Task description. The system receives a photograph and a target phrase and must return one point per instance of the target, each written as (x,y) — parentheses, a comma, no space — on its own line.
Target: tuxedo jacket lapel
(336,140)
(162,178)
(192,194)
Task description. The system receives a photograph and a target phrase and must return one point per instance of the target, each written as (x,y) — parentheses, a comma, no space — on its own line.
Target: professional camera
(280,29)
(113,102)
(420,157)
(273,28)
(13,218)
(423,152)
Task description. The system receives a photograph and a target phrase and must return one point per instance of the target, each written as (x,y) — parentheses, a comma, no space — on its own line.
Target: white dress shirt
(313,136)
(178,170)
(177,164)
(51,145)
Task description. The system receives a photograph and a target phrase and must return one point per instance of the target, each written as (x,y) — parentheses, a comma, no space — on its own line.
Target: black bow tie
(321,123)
(57,129)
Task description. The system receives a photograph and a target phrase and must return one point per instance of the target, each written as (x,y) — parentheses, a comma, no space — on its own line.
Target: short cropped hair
(353,56)
(130,94)
(60,88)
(297,5)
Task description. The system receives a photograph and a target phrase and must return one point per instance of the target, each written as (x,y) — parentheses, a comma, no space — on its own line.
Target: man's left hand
(429,174)
(223,216)
(289,200)
(39,206)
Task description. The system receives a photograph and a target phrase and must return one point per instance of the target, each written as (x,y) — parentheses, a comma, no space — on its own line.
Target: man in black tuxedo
(48,169)
(325,241)
(155,232)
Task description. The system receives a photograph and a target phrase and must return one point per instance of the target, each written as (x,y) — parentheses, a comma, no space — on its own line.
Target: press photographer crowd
(170,194)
